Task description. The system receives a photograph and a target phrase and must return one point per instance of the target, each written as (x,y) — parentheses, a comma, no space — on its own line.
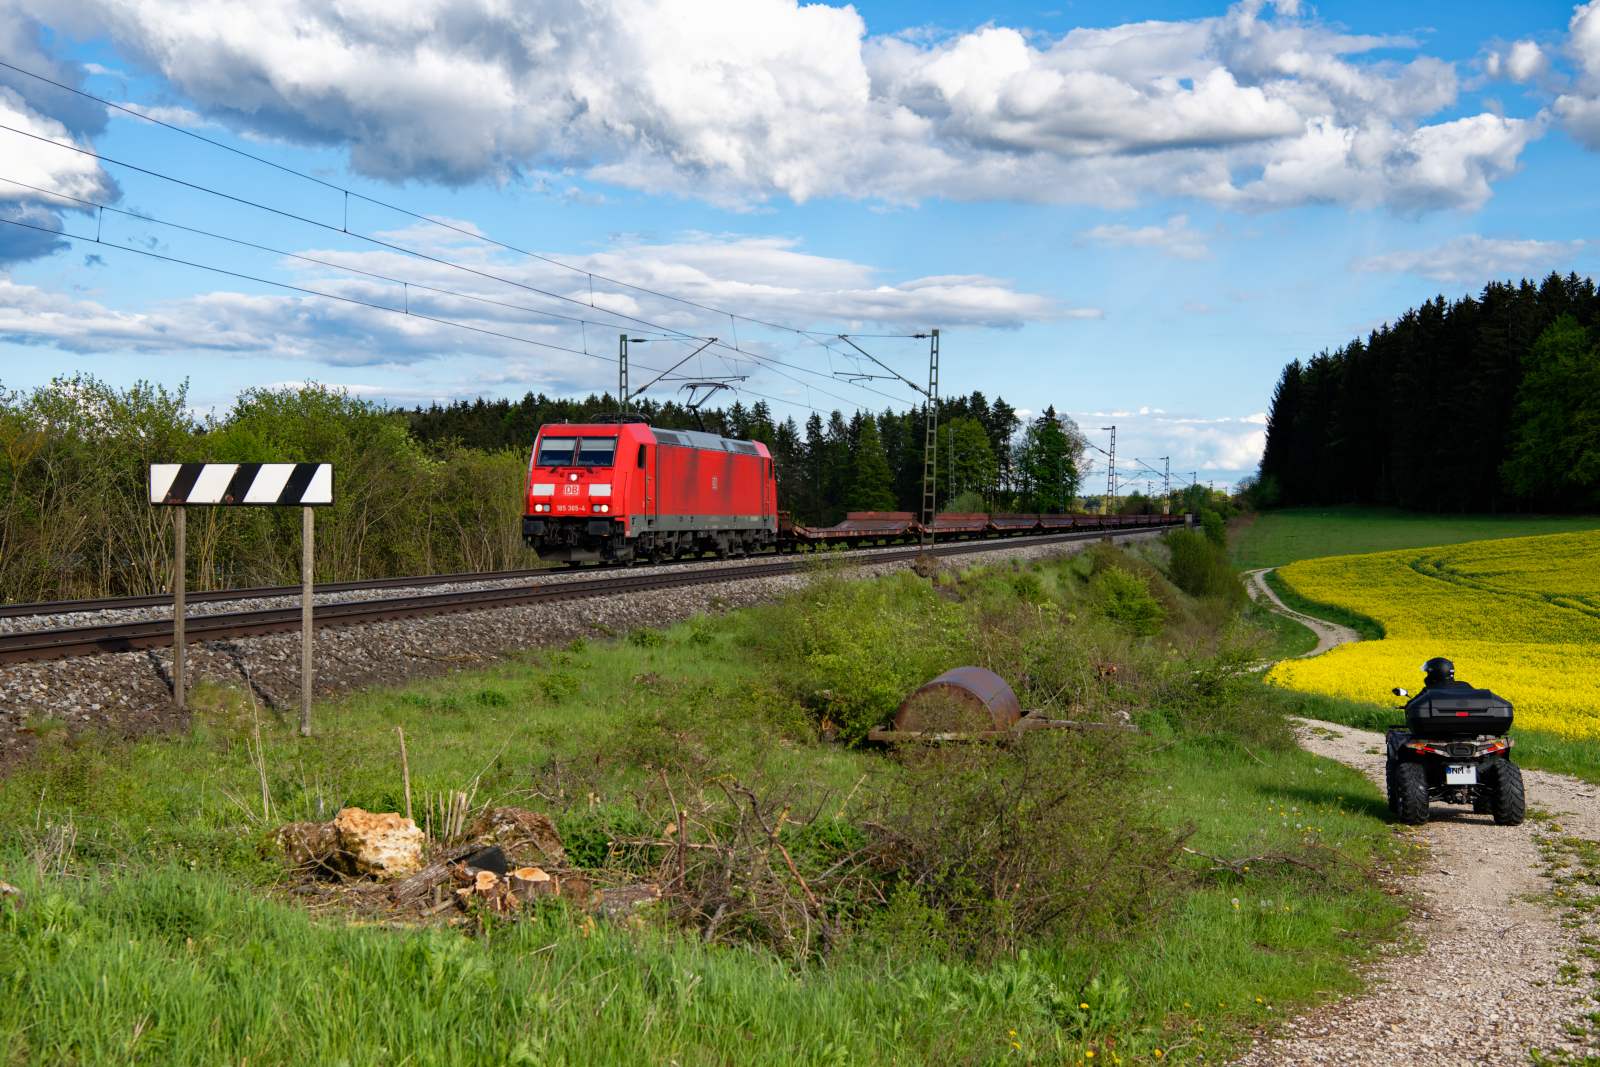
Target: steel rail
(67,642)
(164,600)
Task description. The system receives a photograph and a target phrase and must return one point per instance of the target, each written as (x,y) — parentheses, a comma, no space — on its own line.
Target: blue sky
(1135,212)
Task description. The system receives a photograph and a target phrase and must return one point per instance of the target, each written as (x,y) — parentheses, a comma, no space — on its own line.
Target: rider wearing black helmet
(1440,673)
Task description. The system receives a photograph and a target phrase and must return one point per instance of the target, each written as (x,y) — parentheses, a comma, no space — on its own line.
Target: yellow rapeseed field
(1519,616)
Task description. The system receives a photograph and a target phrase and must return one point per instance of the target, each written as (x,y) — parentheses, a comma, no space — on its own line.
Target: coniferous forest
(1487,403)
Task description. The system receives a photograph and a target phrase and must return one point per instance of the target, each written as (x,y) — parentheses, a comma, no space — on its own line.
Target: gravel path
(129,693)
(1329,634)
(1496,974)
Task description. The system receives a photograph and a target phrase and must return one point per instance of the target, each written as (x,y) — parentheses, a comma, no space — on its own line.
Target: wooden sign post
(186,485)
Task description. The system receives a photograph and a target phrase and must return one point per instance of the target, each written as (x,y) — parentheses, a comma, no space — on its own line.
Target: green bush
(1042,839)
(1201,569)
(1120,596)
(1215,527)
(855,649)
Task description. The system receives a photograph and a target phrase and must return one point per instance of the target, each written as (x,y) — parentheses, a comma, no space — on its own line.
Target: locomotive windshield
(596,451)
(590,452)
(556,451)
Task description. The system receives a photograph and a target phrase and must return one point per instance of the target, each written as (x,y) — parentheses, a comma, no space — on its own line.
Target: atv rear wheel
(1507,805)
(1411,793)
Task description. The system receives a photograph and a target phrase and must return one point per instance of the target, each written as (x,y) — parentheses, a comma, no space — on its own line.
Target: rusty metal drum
(966,699)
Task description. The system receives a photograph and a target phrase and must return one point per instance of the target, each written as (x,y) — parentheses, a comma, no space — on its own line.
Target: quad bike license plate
(1460,775)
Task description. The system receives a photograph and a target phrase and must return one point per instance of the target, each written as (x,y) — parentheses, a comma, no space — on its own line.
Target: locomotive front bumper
(575,539)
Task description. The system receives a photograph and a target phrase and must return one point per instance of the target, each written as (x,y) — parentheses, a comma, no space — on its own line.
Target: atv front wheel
(1411,793)
(1507,805)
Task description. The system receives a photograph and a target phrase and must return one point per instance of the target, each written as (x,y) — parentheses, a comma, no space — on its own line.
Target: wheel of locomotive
(1507,802)
(1411,793)
(1390,786)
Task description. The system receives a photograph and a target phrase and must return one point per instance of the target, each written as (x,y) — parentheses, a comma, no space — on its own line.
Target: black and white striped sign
(242,484)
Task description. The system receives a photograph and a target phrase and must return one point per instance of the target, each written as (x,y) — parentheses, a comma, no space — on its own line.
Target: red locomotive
(620,491)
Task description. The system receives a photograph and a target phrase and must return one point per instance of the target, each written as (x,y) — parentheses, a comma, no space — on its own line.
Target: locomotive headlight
(572,477)
(605,507)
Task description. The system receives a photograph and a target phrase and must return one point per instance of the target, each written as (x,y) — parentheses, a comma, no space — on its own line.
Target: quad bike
(1453,749)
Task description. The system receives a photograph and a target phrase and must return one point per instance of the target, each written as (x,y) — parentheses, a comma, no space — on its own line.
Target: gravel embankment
(129,693)
(1497,974)
(112,616)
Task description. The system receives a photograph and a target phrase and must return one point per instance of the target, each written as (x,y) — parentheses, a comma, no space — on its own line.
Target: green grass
(159,937)
(1280,537)
(1369,629)
(1291,638)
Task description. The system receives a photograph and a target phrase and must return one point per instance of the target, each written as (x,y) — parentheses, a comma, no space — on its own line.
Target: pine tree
(871,482)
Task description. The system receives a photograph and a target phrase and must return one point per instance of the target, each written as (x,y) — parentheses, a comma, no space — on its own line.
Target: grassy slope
(1280,537)
(158,944)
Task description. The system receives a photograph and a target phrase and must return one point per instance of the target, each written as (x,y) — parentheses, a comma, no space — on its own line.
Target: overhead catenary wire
(765,360)
(149,254)
(404,211)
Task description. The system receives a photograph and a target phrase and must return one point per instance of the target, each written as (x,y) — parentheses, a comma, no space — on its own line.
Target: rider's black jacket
(1446,685)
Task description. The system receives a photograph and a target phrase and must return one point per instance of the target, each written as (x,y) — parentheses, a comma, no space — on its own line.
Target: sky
(1133,212)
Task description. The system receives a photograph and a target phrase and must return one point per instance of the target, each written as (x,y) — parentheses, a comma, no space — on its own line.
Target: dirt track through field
(1490,975)
(1329,634)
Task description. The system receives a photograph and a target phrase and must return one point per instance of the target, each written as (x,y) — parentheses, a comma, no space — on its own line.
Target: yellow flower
(1083,1005)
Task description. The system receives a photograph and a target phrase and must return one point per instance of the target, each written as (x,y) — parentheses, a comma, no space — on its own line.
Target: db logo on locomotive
(569,490)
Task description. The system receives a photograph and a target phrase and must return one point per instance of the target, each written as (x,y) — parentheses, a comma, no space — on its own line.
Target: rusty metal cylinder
(965,699)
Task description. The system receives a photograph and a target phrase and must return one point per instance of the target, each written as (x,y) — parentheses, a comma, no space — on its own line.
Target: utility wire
(351,300)
(404,211)
(401,249)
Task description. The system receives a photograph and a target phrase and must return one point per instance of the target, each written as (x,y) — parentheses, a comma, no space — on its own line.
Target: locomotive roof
(681,438)
(696,439)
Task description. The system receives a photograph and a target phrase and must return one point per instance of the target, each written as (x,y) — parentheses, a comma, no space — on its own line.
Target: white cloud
(1474,259)
(766,278)
(1523,62)
(172,116)
(36,112)
(735,101)
(1579,109)
(1175,239)
(1189,442)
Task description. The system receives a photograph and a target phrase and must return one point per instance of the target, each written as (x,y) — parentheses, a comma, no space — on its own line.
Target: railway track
(65,642)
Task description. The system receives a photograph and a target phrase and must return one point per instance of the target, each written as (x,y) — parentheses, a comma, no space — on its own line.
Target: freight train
(620,491)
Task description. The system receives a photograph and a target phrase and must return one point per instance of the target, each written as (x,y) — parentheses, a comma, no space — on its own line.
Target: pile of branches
(740,866)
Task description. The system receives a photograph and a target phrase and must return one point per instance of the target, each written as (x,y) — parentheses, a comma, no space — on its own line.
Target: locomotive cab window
(641,457)
(556,451)
(596,451)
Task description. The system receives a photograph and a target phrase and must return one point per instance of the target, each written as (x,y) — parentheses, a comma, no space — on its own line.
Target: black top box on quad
(1453,749)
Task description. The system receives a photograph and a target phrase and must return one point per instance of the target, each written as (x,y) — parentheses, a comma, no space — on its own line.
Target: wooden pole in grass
(306,559)
(405,767)
(179,561)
